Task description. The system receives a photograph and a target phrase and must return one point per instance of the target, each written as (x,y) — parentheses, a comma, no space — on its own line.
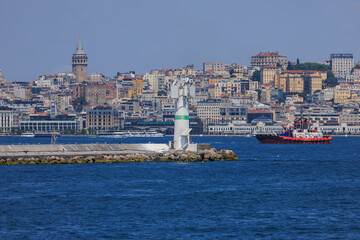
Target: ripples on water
(274,192)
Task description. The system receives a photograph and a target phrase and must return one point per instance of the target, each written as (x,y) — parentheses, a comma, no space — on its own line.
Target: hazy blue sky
(38,37)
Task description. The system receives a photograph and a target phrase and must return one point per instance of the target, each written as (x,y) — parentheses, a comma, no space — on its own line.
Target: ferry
(110,134)
(114,134)
(47,134)
(299,133)
(27,134)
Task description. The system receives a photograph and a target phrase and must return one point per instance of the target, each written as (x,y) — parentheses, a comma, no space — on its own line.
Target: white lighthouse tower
(181,90)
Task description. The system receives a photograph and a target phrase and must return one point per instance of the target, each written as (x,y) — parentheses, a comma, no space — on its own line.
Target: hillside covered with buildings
(229,98)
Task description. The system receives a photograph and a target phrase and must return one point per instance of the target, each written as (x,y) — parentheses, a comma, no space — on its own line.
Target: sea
(274,191)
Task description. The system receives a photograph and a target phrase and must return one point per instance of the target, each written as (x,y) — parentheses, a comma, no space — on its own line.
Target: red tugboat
(299,133)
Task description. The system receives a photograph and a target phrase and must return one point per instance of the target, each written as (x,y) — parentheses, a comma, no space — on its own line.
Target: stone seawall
(93,153)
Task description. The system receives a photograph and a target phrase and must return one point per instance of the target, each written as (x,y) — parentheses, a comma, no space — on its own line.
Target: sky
(39,37)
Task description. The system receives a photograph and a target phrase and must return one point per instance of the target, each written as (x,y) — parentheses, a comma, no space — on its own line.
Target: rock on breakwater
(169,156)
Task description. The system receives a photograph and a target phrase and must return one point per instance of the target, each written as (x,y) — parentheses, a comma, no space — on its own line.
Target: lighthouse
(182,90)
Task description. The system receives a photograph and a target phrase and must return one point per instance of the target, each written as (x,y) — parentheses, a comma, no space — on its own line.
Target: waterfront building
(44,123)
(9,119)
(102,118)
(341,64)
(79,63)
(268,59)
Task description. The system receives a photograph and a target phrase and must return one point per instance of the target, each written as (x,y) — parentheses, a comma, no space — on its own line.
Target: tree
(256,76)
(259,93)
(331,81)
(79,103)
(297,61)
(310,66)
(289,67)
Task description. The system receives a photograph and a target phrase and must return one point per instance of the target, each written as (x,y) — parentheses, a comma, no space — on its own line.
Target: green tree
(259,93)
(79,103)
(331,81)
(297,61)
(256,76)
(290,66)
(311,66)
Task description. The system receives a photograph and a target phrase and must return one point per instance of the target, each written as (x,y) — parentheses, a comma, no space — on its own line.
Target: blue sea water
(275,191)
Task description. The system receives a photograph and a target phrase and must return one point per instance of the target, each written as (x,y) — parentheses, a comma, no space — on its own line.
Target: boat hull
(272,138)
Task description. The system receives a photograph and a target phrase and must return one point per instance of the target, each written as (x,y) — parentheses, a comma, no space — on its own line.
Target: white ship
(27,134)
(114,134)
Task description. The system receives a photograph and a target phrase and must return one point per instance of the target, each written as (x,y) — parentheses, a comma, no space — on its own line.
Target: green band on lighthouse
(181,117)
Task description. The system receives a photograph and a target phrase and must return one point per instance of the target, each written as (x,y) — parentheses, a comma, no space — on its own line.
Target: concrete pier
(91,153)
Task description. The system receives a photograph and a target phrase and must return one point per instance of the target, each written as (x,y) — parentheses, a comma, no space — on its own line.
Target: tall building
(268,59)
(341,64)
(79,63)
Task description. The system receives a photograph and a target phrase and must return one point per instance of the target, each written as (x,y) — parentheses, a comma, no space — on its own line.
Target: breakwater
(102,153)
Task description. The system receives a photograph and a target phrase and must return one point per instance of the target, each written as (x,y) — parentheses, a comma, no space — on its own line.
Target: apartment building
(289,81)
(268,73)
(299,81)
(341,95)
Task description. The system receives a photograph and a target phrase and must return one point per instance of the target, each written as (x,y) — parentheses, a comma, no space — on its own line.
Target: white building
(8,119)
(341,64)
(155,79)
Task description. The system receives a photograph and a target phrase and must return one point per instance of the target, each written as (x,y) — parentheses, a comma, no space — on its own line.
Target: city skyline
(41,38)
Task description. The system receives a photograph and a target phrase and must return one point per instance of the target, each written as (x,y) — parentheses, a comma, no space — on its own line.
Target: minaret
(79,63)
